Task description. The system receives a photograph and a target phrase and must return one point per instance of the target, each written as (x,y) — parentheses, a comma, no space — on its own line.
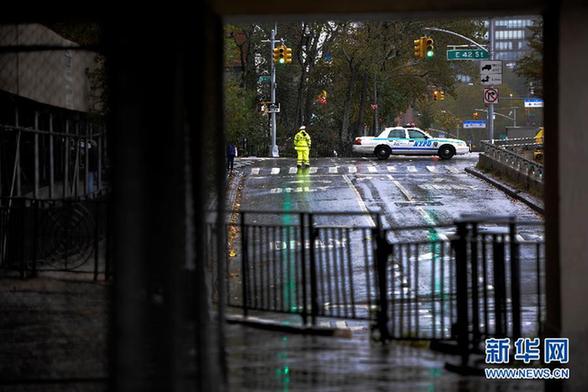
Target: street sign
(274,108)
(533,103)
(490,95)
(491,80)
(264,79)
(474,124)
(467,54)
(491,73)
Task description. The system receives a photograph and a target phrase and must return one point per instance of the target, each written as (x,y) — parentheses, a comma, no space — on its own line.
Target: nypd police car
(408,141)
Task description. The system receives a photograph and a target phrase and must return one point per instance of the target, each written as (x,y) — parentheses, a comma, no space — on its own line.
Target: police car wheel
(382,152)
(446,152)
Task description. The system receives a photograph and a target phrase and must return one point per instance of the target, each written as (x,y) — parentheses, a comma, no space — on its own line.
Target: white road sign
(491,80)
(490,95)
(490,67)
(490,73)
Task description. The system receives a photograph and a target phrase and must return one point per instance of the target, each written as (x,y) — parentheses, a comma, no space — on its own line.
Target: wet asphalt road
(406,191)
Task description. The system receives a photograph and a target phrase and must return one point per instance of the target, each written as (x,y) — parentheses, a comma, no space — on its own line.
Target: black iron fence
(54,235)
(465,282)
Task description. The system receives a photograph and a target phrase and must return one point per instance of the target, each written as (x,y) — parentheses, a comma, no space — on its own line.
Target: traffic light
(418,48)
(288,55)
(280,54)
(429,48)
(441,95)
(435,95)
(476,115)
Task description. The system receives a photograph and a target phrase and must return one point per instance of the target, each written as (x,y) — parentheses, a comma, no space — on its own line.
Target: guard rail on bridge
(504,154)
(460,283)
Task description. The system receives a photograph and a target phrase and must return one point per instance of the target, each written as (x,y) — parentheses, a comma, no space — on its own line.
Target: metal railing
(51,153)
(464,282)
(513,160)
(50,235)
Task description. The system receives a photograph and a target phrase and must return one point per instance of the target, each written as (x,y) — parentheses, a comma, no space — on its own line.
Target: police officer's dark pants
(230,160)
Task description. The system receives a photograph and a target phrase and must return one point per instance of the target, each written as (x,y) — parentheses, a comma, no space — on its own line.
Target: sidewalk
(53,334)
(261,360)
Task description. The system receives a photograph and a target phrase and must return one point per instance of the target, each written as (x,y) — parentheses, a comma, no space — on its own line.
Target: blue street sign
(533,103)
(474,124)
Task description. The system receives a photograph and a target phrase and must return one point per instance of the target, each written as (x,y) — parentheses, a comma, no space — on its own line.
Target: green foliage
(531,66)
(357,63)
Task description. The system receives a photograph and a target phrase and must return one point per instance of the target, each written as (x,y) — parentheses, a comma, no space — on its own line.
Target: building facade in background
(511,37)
(59,77)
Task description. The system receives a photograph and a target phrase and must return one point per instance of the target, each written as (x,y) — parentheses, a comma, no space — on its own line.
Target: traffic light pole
(274,147)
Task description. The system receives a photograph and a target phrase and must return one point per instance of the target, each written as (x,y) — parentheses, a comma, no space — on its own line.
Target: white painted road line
(372,169)
(275,170)
(333,169)
(432,169)
(352,169)
(391,168)
(313,170)
(411,169)
(292,170)
(402,189)
(360,201)
(255,171)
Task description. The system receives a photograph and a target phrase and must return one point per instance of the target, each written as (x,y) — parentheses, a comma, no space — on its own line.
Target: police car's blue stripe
(413,148)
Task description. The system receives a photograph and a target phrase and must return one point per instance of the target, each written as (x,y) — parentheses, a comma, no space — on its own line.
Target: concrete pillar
(566,160)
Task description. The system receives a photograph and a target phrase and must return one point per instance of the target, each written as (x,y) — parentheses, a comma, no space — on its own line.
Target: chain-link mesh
(52,96)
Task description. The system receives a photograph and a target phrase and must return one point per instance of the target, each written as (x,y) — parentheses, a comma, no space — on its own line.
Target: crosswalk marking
(353,169)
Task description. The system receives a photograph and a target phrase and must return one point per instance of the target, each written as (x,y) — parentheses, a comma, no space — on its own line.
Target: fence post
(499,286)
(35,206)
(461,285)
(96,238)
(244,263)
(314,306)
(303,263)
(474,280)
(381,252)
(515,280)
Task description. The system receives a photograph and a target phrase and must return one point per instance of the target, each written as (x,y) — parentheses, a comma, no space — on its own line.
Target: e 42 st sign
(467,54)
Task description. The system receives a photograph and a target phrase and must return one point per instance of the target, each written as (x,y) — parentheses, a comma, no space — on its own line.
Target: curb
(533,203)
(275,325)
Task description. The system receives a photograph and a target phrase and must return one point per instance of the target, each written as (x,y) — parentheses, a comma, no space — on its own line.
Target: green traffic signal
(430,47)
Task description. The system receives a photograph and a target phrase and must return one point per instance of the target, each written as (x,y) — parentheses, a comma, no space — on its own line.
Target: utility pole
(490,117)
(273,148)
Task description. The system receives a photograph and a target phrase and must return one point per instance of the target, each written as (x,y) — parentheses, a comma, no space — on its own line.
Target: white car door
(419,143)
(398,141)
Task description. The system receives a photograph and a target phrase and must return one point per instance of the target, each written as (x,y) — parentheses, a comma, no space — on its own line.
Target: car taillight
(357,141)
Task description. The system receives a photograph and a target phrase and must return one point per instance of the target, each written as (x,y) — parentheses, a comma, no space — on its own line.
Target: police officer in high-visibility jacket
(302,147)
